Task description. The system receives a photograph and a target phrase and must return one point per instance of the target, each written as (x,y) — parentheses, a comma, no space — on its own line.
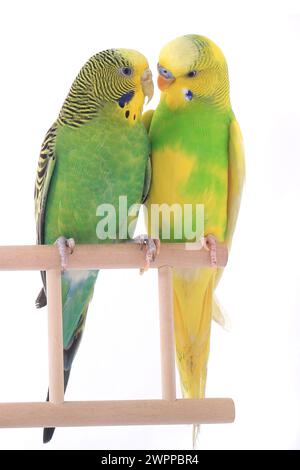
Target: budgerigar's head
(133,72)
(118,76)
(192,67)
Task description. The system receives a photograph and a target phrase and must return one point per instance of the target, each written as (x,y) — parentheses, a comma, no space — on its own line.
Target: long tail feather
(193,297)
(48,432)
(77,291)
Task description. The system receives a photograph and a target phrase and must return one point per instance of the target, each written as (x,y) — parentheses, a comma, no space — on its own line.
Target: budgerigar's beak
(164,83)
(147,84)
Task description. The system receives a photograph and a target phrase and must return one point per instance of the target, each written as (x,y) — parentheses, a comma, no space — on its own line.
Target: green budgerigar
(197,159)
(96,151)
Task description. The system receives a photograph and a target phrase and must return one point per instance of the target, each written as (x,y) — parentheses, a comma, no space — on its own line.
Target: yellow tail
(193,305)
(193,296)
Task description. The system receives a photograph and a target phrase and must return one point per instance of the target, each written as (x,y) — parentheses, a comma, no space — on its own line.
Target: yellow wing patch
(236,177)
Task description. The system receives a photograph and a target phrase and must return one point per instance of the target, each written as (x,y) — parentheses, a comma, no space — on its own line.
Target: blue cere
(164,72)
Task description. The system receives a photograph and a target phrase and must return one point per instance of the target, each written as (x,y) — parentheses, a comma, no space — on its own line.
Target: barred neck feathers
(97,84)
(221,95)
(213,68)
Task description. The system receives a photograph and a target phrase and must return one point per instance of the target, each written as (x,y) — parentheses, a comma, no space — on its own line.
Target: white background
(43,45)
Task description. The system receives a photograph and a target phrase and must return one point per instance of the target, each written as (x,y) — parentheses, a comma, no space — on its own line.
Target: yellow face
(140,76)
(190,68)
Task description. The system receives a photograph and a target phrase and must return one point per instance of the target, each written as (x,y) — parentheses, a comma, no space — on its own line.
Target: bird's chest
(95,165)
(190,165)
(99,153)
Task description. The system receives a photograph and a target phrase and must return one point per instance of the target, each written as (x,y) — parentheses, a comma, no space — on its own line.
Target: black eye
(127,71)
(192,73)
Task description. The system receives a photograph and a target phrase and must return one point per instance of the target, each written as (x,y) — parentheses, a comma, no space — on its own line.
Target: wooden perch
(105,256)
(168,410)
(116,413)
(55,337)
(167,346)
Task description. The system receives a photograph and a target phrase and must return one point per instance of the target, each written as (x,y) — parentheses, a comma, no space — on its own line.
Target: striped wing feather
(45,169)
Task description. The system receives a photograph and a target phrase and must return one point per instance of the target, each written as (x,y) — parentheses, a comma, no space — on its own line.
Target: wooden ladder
(58,412)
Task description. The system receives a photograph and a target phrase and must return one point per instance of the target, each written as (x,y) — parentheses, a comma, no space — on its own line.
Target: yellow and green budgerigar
(97,150)
(197,158)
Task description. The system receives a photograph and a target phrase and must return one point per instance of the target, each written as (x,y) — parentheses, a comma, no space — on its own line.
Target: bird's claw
(66,247)
(209,244)
(152,246)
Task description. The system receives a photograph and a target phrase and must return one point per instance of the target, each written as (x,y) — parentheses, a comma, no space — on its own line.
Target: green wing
(45,169)
(236,178)
(147,180)
(147,118)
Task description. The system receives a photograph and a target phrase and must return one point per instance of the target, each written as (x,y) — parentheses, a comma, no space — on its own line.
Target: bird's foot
(151,246)
(210,244)
(66,247)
